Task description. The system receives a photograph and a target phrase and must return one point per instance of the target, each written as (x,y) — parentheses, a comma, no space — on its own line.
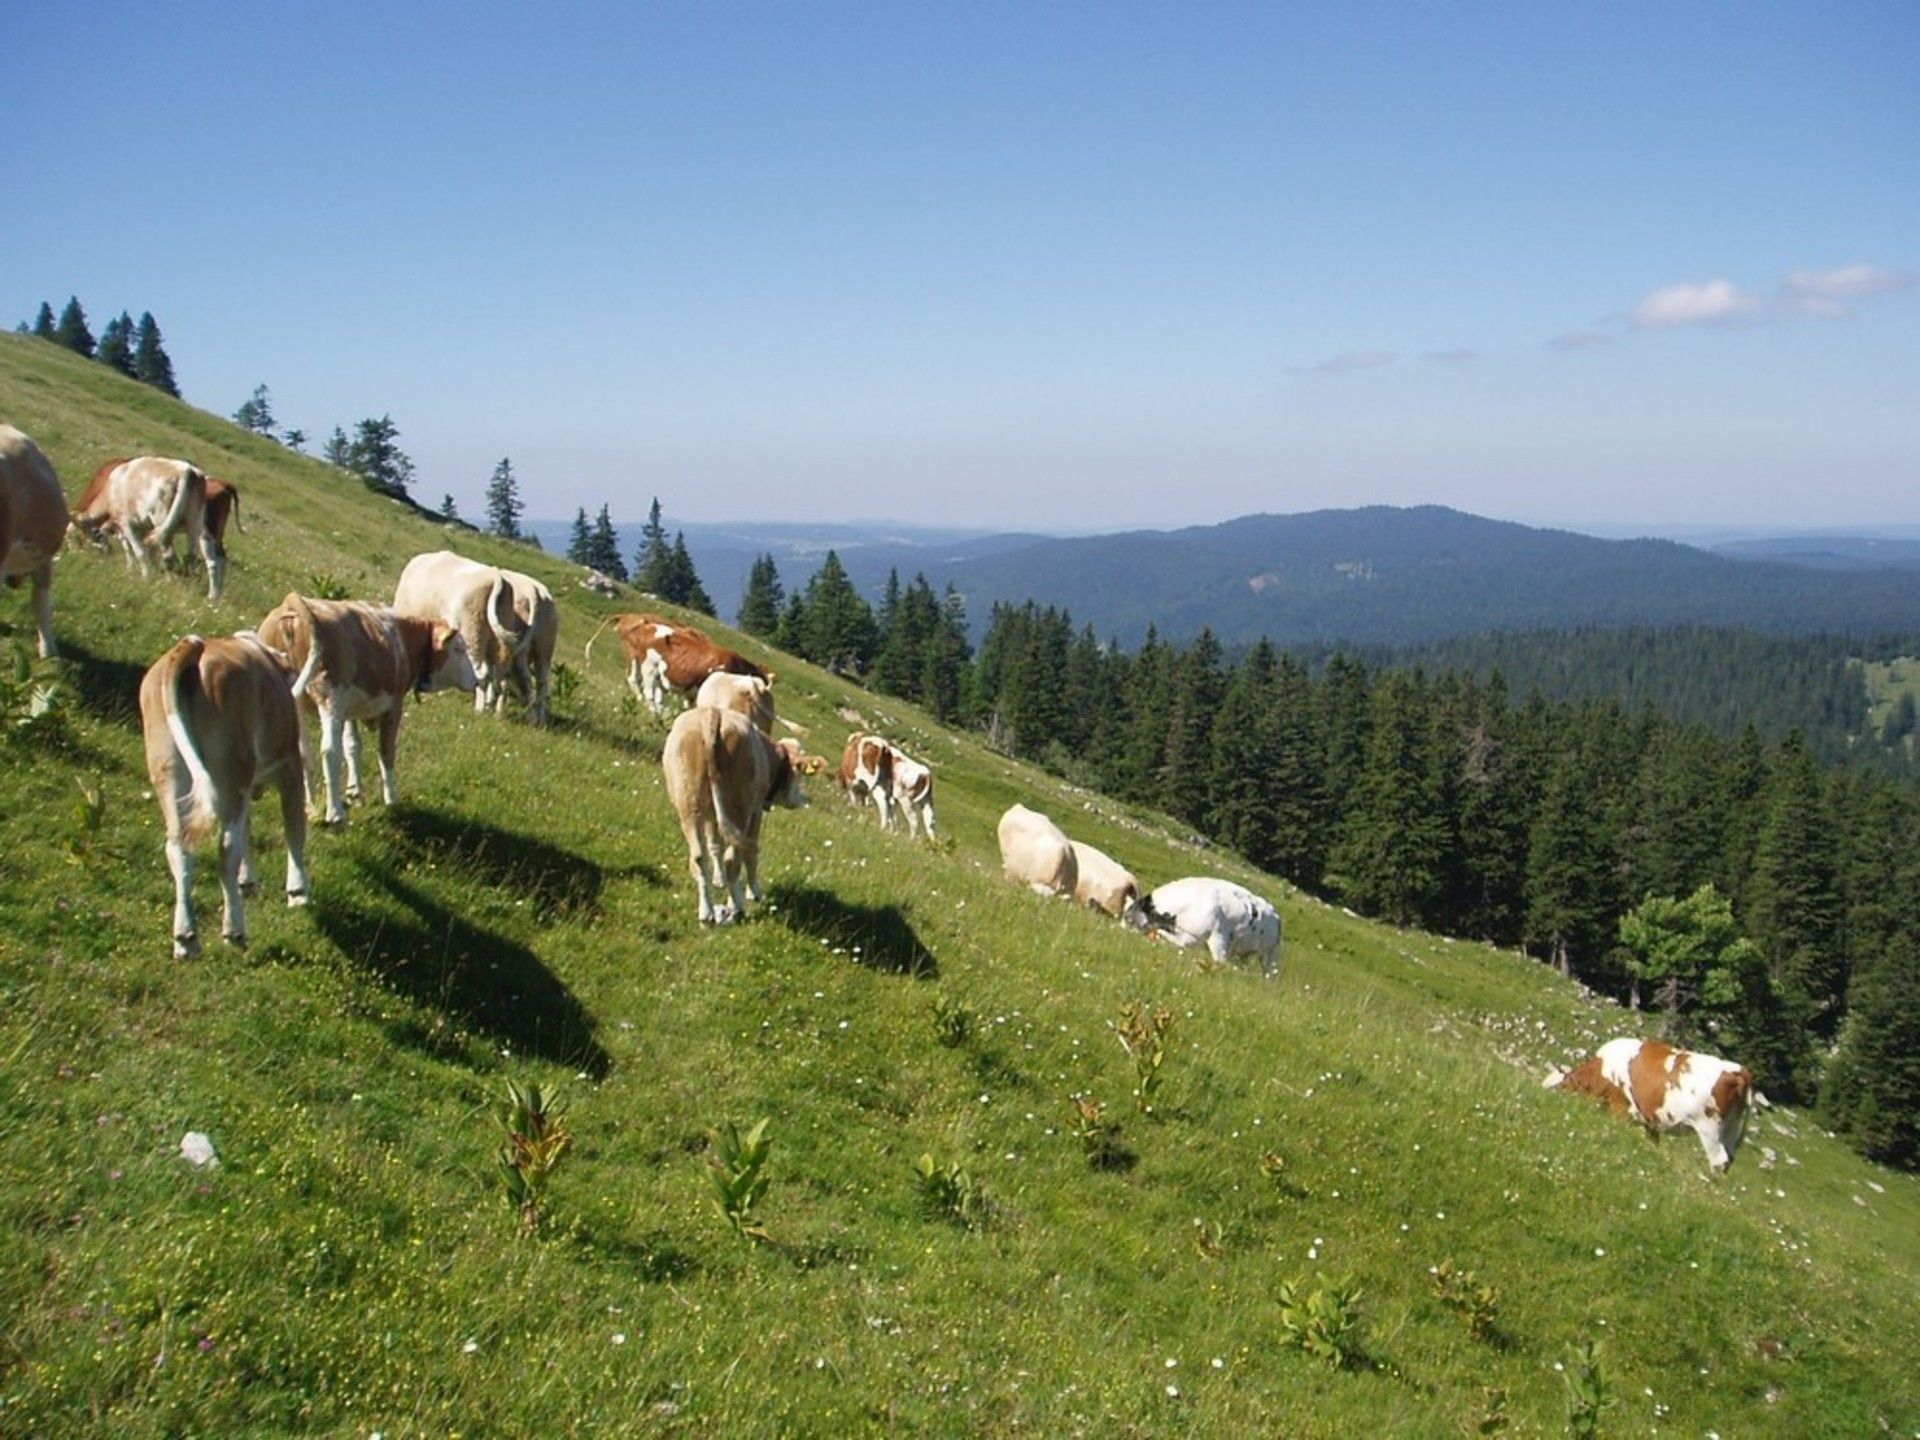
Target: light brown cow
(1104,884)
(746,695)
(1034,851)
(356,661)
(532,670)
(223,505)
(220,725)
(477,600)
(33,522)
(664,655)
(722,776)
(913,791)
(1668,1089)
(866,774)
(149,500)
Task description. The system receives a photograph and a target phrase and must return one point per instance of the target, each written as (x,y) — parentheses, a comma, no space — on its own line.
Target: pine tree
(580,539)
(337,452)
(294,440)
(150,363)
(791,633)
(43,324)
(943,675)
(503,502)
(760,605)
(1568,914)
(653,561)
(1872,1089)
(1303,819)
(1245,749)
(256,414)
(840,632)
(1489,794)
(1690,956)
(1391,855)
(116,344)
(378,460)
(603,548)
(1186,762)
(894,668)
(686,587)
(72,330)
(1794,905)
(448,510)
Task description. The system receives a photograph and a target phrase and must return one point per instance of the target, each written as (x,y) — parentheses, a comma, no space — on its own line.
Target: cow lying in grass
(1035,852)
(1228,919)
(1668,1089)
(1104,884)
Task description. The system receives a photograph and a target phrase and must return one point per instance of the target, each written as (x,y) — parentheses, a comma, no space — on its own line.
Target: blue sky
(1035,265)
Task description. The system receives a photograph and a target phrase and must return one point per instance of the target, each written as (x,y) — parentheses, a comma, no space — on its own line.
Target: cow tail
(196,817)
(733,835)
(233,509)
(587,658)
(163,536)
(311,666)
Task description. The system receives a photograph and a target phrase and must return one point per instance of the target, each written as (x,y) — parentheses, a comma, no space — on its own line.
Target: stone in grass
(197,1149)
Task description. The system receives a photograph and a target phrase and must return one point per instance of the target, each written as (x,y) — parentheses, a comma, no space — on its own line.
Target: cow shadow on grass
(556,883)
(106,689)
(885,939)
(420,949)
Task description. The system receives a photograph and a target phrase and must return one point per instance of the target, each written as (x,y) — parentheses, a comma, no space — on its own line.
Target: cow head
(1134,913)
(448,666)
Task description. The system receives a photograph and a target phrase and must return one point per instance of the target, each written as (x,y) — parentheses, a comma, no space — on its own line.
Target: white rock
(197,1149)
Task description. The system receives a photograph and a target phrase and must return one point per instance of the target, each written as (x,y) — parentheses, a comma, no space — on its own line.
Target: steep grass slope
(350,1267)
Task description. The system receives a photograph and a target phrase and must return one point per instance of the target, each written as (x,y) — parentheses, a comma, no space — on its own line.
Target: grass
(525,913)
(1887,681)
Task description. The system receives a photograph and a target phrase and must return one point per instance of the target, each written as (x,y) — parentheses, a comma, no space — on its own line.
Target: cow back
(33,511)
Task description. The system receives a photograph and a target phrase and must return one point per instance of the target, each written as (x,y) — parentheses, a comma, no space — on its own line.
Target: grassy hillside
(526,913)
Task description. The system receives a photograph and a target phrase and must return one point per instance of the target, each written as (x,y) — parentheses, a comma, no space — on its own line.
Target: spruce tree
(1303,819)
(1185,763)
(791,633)
(72,330)
(759,614)
(1794,905)
(580,539)
(503,502)
(43,323)
(1872,1089)
(337,452)
(943,676)
(150,363)
(604,547)
(1245,750)
(1391,855)
(116,344)
(256,413)
(1491,782)
(840,632)
(686,587)
(1689,959)
(448,510)
(1567,862)
(376,457)
(653,561)
(294,439)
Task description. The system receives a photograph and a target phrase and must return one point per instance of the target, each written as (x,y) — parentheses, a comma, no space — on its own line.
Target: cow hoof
(186,947)
(296,899)
(237,942)
(334,822)
(249,889)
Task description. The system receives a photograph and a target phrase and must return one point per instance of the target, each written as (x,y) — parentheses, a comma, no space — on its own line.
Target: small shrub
(1325,1322)
(950,1191)
(1493,1419)
(1461,1292)
(1099,1137)
(89,815)
(325,585)
(32,708)
(537,1139)
(1142,1033)
(1587,1395)
(953,1022)
(737,1170)
(563,684)
(1208,1239)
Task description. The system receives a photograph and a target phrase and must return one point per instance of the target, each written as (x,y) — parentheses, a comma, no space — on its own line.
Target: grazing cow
(1228,919)
(866,774)
(663,655)
(532,671)
(746,695)
(357,661)
(722,776)
(478,601)
(149,500)
(220,724)
(1667,1089)
(33,522)
(1034,851)
(1104,884)
(913,791)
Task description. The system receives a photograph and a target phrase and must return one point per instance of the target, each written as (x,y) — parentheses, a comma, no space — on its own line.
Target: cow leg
(186,942)
(912,813)
(542,692)
(884,806)
(926,817)
(293,818)
(330,746)
(350,736)
(735,858)
(389,749)
(233,856)
(1217,947)
(137,551)
(216,559)
(43,609)
(697,863)
(633,681)
(1710,1141)
(750,858)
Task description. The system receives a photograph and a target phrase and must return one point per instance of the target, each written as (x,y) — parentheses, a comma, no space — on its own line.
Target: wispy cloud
(1451,357)
(1351,360)
(1715,303)
(1579,340)
(1827,292)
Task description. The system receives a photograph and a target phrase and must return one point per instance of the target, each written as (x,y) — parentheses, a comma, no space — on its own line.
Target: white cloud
(1826,292)
(1579,340)
(1714,303)
(1352,360)
(1452,357)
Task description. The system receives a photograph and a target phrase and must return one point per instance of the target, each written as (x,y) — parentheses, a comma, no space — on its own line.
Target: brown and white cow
(356,661)
(746,695)
(664,655)
(223,506)
(1668,1089)
(1104,884)
(220,725)
(1034,851)
(478,601)
(722,776)
(33,523)
(532,669)
(866,774)
(149,501)
(913,791)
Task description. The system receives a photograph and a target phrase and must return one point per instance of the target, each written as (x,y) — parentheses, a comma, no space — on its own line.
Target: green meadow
(525,914)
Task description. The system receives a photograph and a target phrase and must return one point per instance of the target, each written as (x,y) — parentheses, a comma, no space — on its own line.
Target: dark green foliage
(72,330)
(255,413)
(1391,855)
(43,323)
(338,451)
(653,561)
(580,539)
(759,614)
(838,631)
(375,456)
(1872,1091)
(151,365)
(448,510)
(603,550)
(683,583)
(1793,906)
(116,345)
(503,502)
(1568,867)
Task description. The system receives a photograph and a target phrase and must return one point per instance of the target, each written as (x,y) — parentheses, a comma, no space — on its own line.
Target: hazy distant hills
(1377,575)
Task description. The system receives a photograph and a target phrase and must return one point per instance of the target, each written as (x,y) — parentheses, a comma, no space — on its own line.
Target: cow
(913,791)
(223,504)
(745,695)
(356,661)
(33,523)
(722,776)
(478,601)
(220,725)
(532,671)
(1668,1089)
(1035,852)
(664,655)
(1104,884)
(866,774)
(149,500)
(1228,919)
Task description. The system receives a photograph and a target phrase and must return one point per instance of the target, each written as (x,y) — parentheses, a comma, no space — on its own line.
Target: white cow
(149,500)
(478,601)
(1228,919)
(1106,885)
(1035,852)
(913,791)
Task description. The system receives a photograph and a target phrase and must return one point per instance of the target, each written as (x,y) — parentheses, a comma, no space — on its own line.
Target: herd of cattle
(224,718)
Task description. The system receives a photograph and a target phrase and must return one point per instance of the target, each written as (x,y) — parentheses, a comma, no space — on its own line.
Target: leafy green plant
(325,585)
(32,709)
(737,1170)
(1587,1395)
(953,1022)
(90,816)
(1461,1292)
(1143,1032)
(1099,1137)
(951,1191)
(537,1139)
(1493,1418)
(1324,1322)
(563,685)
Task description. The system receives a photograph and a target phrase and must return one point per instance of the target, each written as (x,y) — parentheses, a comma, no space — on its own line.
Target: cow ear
(769,679)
